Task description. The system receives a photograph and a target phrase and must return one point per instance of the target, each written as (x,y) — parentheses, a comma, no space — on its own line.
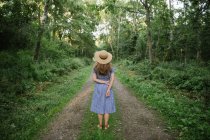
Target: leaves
(186,115)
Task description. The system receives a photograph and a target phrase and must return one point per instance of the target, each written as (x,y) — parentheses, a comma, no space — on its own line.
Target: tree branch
(143,3)
(151,3)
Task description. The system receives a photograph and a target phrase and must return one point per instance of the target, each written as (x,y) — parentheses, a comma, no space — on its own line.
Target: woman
(103,99)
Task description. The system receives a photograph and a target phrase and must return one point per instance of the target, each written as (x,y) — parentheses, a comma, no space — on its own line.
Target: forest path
(137,122)
(68,123)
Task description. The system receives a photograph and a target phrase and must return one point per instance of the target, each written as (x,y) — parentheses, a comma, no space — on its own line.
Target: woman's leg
(106,119)
(100,118)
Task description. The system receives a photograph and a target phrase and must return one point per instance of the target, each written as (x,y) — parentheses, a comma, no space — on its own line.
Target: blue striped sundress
(100,103)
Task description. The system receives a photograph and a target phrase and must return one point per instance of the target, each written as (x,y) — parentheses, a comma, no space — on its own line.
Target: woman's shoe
(106,127)
(99,126)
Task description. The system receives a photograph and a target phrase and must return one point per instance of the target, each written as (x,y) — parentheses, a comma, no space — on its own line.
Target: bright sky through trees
(102,28)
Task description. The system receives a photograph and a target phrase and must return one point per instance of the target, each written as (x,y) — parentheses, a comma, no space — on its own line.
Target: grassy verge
(31,112)
(91,132)
(187,116)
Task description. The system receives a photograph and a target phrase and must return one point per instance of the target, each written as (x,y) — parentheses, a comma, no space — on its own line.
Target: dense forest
(160,42)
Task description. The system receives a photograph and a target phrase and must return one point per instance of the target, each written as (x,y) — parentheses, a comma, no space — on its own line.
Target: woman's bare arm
(98,80)
(110,84)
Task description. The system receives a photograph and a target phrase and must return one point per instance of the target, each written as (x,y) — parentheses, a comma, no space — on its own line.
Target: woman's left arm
(110,84)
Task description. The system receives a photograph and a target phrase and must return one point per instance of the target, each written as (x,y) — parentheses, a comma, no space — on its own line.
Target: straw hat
(102,57)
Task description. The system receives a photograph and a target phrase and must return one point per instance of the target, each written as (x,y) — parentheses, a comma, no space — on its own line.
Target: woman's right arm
(98,80)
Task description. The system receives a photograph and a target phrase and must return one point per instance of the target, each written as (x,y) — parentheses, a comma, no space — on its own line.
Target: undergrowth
(23,116)
(188,116)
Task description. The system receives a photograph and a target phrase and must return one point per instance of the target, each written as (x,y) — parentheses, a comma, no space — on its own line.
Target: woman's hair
(103,68)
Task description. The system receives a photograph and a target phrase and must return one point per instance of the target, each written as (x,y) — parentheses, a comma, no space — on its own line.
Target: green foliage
(16,28)
(188,117)
(176,33)
(23,116)
(16,72)
(20,74)
(69,21)
(189,77)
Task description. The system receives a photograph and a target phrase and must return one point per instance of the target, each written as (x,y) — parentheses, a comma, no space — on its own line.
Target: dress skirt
(102,104)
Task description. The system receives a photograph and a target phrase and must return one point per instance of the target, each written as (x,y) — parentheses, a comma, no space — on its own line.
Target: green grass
(30,113)
(90,131)
(188,117)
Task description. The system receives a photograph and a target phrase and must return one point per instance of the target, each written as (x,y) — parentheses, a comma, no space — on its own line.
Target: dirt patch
(68,123)
(138,122)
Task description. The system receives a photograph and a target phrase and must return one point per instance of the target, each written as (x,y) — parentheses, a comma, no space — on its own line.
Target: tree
(41,29)
(148,7)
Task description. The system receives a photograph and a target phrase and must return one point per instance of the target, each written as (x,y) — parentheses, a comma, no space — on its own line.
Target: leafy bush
(87,61)
(187,116)
(51,50)
(19,73)
(190,77)
(76,63)
(161,73)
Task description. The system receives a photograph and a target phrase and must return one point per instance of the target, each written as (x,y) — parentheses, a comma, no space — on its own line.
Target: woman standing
(103,99)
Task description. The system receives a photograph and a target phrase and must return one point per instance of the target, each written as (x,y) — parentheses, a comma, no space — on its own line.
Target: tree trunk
(198,29)
(185,55)
(53,34)
(135,34)
(82,52)
(198,55)
(171,24)
(118,36)
(168,50)
(41,30)
(149,37)
(157,44)
(110,43)
(185,23)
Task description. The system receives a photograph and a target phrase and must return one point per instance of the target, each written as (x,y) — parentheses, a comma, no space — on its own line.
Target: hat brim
(103,61)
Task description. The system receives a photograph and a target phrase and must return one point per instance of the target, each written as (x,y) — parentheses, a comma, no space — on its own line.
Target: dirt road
(138,122)
(68,123)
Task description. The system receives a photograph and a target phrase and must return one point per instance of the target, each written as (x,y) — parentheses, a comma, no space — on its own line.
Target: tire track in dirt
(68,123)
(138,122)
